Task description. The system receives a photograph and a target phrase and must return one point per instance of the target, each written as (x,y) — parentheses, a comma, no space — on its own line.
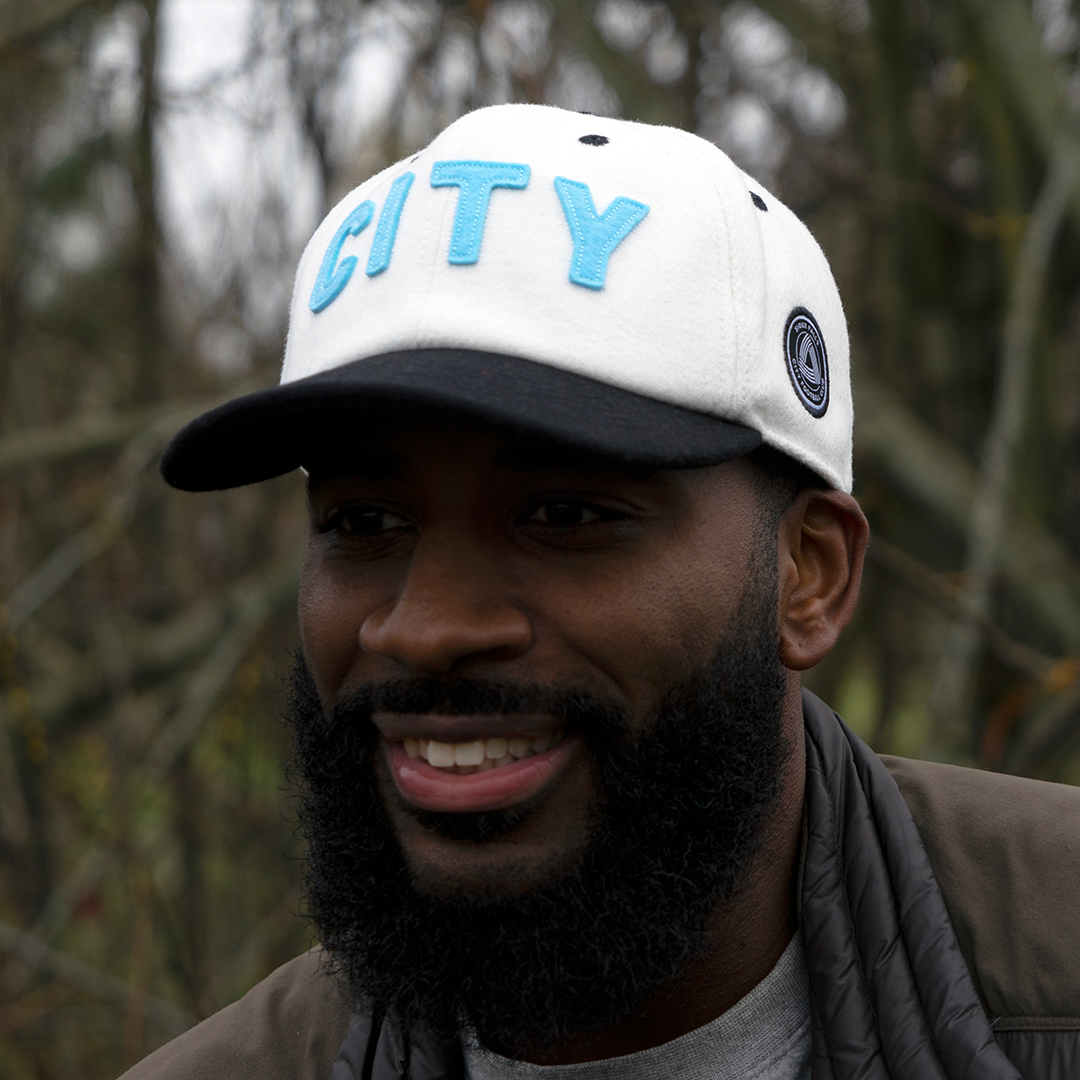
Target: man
(572,399)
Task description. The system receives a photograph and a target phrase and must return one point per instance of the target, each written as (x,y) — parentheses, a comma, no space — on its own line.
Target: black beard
(678,821)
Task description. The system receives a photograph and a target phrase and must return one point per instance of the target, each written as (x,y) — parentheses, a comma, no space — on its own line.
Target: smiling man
(572,400)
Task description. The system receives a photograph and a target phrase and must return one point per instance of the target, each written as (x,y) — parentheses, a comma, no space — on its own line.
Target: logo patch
(807,362)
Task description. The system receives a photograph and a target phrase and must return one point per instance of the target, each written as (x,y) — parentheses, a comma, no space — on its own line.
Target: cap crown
(635,255)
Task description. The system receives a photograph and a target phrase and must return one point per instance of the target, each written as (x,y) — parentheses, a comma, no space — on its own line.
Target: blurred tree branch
(640,97)
(253,601)
(96,433)
(1033,78)
(937,474)
(19,18)
(116,992)
(21,450)
(1054,724)
(956,603)
(27,597)
(950,696)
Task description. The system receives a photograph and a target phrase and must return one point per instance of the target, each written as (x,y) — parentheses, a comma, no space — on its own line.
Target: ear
(821,544)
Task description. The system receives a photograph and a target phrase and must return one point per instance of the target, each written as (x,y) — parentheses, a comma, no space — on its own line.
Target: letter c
(334,275)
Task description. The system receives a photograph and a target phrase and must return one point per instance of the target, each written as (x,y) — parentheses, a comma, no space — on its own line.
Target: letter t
(475,181)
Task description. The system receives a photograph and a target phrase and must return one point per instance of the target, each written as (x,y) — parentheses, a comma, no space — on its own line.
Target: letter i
(382,247)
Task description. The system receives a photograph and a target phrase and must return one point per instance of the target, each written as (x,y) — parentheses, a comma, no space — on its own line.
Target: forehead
(395,443)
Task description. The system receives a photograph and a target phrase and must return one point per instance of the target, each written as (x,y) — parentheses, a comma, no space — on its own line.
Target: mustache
(461,696)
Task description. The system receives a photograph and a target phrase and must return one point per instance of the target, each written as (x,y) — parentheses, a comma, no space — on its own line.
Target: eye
(564,513)
(363,521)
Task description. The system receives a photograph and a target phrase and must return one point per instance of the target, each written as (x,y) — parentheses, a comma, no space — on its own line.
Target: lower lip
(495,789)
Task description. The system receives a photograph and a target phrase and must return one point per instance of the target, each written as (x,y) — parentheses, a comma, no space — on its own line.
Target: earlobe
(821,545)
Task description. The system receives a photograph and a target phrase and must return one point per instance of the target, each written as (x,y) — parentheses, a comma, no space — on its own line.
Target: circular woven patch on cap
(807,361)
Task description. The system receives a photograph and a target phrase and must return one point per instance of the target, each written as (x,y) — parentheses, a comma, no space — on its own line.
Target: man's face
(443,552)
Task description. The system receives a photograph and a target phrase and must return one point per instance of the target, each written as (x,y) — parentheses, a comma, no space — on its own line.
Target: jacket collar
(891,995)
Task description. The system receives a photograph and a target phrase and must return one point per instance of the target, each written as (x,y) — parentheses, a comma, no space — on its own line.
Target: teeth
(519,747)
(440,754)
(469,753)
(480,754)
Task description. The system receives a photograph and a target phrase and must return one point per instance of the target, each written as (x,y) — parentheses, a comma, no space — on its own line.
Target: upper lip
(453,729)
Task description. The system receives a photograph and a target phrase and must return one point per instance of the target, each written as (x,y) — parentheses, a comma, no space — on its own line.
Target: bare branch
(87,873)
(952,600)
(1046,730)
(155,651)
(932,470)
(29,596)
(20,19)
(88,435)
(1032,77)
(255,603)
(171,1020)
(14,816)
(94,434)
(951,697)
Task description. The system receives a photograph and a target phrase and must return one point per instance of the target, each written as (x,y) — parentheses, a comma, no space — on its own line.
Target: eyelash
(336,519)
(599,513)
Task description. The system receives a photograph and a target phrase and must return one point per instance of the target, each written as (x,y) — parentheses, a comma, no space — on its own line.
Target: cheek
(332,606)
(648,624)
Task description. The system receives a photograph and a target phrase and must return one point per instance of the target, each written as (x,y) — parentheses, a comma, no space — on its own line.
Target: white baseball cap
(618,287)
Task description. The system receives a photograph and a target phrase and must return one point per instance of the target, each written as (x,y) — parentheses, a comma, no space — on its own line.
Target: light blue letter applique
(595,238)
(382,247)
(334,276)
(475,181)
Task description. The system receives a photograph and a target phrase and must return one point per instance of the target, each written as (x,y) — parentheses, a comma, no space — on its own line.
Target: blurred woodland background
(162,163)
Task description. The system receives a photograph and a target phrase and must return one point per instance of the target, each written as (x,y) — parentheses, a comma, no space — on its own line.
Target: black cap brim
(273,431)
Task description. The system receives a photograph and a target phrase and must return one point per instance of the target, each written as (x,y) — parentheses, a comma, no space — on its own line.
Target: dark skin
(440,546)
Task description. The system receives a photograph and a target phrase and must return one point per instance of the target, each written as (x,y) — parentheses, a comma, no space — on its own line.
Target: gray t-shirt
(765,1036)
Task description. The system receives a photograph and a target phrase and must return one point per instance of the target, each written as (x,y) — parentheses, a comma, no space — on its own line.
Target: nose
(450,608)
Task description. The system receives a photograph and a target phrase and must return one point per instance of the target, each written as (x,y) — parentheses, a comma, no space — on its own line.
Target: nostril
(425,639)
